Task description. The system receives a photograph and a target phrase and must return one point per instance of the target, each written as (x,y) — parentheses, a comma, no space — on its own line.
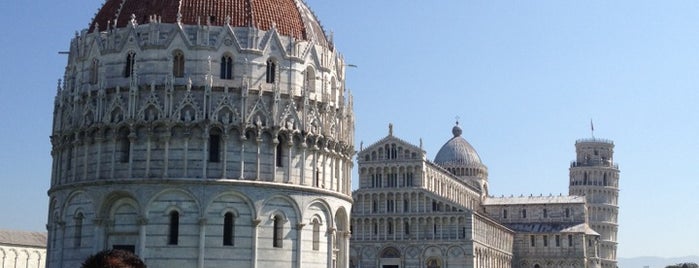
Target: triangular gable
(390,139)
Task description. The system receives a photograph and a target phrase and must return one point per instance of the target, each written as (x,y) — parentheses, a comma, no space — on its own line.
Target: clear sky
(524,77)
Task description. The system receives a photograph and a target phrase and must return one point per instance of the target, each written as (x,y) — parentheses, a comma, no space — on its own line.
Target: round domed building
(203,134)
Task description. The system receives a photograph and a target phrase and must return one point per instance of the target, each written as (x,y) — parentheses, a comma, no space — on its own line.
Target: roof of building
(552,228)
(23,238)
(527,200)
(457,151)
(289,17)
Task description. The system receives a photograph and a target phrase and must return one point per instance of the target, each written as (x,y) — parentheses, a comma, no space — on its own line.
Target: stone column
(187,136)
(202,242)
(132,141)
(142,224)
(242,156)
(98,165)
(255,229)
(224,146)
(148,152)
(258,140)
(205,153)
(299,231)
(166,157)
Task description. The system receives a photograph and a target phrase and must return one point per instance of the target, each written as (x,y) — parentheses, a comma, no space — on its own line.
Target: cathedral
(412,212)
(200,133)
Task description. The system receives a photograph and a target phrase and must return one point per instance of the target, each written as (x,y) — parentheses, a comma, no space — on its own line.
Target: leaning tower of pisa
(595,175)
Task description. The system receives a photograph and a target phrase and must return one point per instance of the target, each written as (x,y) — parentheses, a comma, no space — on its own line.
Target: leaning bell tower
(595,175)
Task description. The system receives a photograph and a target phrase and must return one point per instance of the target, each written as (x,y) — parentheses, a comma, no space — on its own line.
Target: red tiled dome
(292,17)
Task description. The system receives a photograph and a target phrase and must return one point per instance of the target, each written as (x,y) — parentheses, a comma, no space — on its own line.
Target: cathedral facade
(413,212)
(202,134)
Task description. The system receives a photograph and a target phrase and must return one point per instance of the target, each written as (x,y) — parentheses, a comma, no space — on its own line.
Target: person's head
(113,258)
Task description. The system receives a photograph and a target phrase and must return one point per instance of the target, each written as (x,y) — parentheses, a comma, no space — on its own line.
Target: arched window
(228,229)
(174,228)
(94,71)
(130,59)
(316,234)
(604,179)
(214,148)
(271,73)
(125,146)
(310,79)
(434,263)
(78,232)
(278,232)
(178,64)
(227,67)
(280,153)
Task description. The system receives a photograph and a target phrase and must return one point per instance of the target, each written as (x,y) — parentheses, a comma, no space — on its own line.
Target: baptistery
(201,133)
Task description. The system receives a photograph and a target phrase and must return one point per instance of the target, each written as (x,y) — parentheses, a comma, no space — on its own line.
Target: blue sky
(525,78)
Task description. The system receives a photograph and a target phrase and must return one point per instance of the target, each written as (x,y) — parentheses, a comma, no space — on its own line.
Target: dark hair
(113,258)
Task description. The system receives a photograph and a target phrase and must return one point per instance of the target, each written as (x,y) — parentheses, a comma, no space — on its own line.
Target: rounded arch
(71,210)
(342,219)
(323,207)
(114,200)
(247,201)
(163,192)
(267,204)
(390,252)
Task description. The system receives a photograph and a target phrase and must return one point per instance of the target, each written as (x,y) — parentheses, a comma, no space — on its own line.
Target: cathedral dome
(457,152)
(289,17)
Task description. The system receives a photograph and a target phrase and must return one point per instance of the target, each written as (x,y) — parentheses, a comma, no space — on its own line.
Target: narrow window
(546,214)
(228,229)
(532,240)
(214,148)
(570,240)
(374,206)
(271,71)
(125,146)
(567,213)
(604,180)
(69,158)
(128,68)
(406,228)
(178,64)
(226,67)
(174,232)
(376,228)
(310,79)
(504,213)
(317,179)
(279,154)
(389,228)
(589,242)
(78,232)
(558,240)
(278,232)
(546,241)
(389,205)
(524,213)
(406,205)
(316,234)
(94,71)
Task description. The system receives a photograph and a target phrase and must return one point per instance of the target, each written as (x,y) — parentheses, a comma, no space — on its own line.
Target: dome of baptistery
(202,133)
(461,159)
